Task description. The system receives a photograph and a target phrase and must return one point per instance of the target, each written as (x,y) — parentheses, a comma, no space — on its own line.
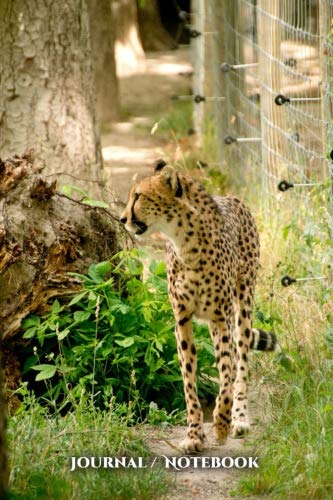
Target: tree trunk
(102,33)
(130,57)
(153,34)
(47,98)
(3,447)
(43,236)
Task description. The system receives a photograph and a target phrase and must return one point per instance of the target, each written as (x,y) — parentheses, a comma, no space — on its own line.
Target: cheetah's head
(152,201)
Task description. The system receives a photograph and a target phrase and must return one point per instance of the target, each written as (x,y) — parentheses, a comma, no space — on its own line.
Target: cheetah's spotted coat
(212,254)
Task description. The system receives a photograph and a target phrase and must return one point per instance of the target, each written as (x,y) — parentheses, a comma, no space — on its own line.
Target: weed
(296,445)
(114,338)
(157,416)
(177,123)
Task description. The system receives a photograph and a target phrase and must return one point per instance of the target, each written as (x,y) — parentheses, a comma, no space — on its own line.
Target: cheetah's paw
(221,432)
(192,445)
(239,429)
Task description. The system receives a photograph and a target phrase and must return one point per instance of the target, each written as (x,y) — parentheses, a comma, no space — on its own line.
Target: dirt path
(214,483)
(129,150)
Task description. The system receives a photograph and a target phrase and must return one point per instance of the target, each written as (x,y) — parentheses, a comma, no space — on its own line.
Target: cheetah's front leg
(240,419)
(188,363)
(221,334)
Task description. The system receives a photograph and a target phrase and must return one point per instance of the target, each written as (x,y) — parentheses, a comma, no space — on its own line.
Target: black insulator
(281,99)
(287,280)
(199,98)
(225,67)
(331,154)
(184,16)
(229,139)
(285,185)
(296,137)
(202,164)
(193,33)
(292,62)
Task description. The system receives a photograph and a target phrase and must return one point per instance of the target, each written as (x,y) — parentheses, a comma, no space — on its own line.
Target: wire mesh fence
(271,65)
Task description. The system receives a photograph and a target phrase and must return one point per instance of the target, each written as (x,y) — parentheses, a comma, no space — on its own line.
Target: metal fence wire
(263,73)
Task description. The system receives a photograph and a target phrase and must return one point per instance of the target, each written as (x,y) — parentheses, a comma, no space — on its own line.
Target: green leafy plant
(157,416)
(69,190)
(114,338)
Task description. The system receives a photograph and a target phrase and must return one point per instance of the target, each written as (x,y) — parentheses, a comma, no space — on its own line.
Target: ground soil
(209,484)
(129,151)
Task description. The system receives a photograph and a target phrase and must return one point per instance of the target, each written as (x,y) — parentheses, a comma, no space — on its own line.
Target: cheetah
(212,259)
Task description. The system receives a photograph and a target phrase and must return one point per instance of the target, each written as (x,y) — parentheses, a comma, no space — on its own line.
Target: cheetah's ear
(159,165)
(171,178)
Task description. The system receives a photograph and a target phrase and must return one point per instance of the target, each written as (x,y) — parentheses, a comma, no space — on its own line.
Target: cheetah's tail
(263,341)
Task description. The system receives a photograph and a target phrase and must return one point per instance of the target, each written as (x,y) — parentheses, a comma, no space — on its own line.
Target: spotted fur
(212,255)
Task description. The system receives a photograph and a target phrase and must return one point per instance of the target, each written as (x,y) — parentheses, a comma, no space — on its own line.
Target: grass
(296,445)
(177,123)
(41,447)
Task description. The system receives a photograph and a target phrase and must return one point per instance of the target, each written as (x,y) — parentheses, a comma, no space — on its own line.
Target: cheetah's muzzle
(141,227)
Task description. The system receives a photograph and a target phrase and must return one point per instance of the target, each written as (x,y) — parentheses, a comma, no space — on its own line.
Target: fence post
(231,104)
(199,66)
(229,16)
(326,58)
(326,63)
(214,21)
(269,40)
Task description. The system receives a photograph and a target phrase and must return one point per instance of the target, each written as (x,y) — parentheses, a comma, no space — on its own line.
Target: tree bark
(153,34)
(130,57)
(47,98)
(102,33)
(43,236)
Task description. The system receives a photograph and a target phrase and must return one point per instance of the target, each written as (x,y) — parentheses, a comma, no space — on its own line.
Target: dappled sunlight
(167,68)
(121,171)
(170,63)
(133,155)
(128,146)
(129,54)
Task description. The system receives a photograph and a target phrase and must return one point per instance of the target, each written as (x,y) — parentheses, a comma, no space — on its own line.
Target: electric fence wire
(273,64)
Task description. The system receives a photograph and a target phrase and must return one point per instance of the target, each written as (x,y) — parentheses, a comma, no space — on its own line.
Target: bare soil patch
(212,484)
